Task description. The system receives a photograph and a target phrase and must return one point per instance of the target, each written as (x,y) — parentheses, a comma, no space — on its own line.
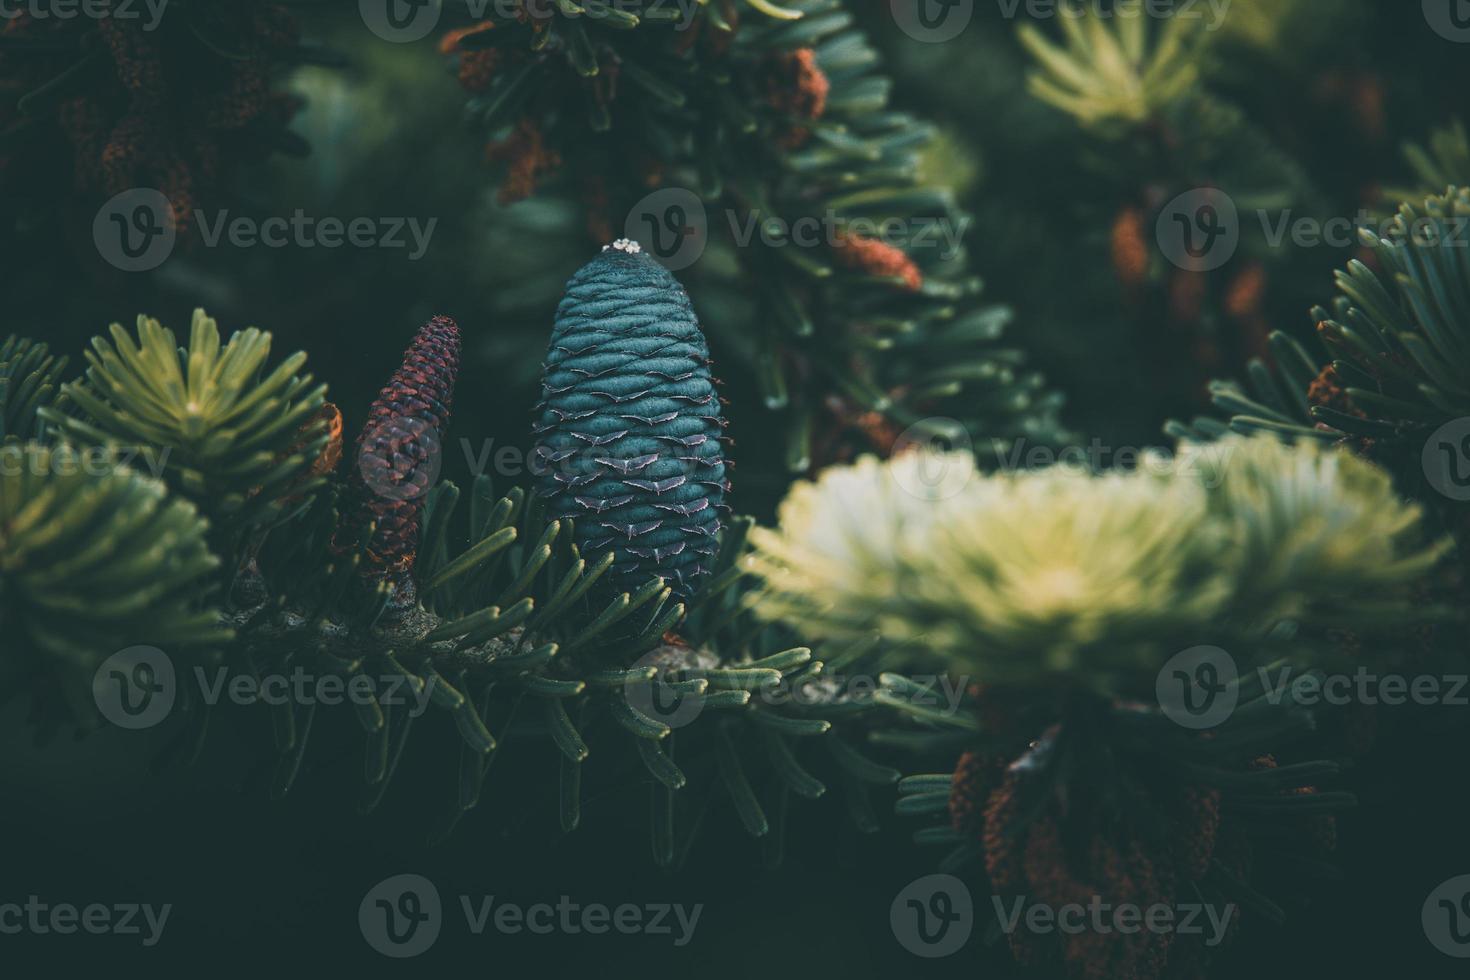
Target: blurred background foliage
(1296,106)
(1300,107)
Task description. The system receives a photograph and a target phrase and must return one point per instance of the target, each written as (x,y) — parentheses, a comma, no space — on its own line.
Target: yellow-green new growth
(1443,160)
(1061,572)
(1106,75)
(227,432)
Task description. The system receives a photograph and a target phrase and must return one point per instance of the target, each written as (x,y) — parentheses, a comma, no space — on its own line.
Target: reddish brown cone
(975,777)
(398,457)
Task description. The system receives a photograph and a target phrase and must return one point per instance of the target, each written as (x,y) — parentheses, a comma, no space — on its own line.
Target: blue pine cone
(629,440)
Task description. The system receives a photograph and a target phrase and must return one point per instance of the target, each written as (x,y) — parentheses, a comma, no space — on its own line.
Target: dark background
(258,884)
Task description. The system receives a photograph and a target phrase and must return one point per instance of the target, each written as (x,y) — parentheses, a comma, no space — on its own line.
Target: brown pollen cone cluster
(152,105)
(526,153)
(1054,852)
(477,66)
(326,420)
(1195,326)
(1329,391)
(875,257)
(796,87)
(526,157)
(1128,246)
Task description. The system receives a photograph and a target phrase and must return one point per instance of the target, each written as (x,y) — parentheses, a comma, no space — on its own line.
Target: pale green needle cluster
(834,557)
(1058,573)
(1314,527)
(95,556)
(226,427)
(1122,69)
